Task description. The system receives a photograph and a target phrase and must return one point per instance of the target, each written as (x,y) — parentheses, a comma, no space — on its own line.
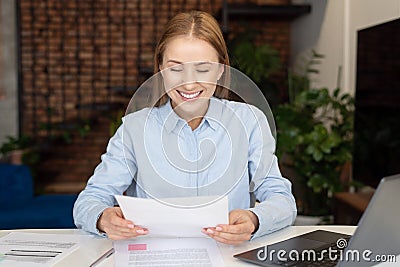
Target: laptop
(376,239)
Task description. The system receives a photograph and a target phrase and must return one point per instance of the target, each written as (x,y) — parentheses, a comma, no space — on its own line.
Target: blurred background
(329,70)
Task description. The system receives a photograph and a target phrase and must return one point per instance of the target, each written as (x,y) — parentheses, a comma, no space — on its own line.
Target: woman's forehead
(189,49)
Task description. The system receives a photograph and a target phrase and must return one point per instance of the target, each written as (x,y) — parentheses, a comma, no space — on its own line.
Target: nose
(189,79)
(189,86)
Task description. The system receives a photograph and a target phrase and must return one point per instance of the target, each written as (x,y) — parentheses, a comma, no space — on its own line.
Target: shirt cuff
(271,218)
(95,214)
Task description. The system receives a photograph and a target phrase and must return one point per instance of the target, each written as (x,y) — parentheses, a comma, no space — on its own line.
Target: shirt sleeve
(111,177)
(277,207)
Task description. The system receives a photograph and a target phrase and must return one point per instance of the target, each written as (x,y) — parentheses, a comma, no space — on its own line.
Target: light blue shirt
(156,154)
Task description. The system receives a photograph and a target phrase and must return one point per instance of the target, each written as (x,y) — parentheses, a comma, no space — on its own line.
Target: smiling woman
(200,38)
(190,85)
(183,137)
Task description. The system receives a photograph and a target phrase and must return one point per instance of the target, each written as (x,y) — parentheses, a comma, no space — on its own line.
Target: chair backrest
(16,185)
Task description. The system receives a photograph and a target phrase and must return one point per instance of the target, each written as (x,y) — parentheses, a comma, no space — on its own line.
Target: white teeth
(189,95)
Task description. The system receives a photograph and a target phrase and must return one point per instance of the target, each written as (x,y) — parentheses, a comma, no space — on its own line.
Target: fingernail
(210,231)
(131,226)
(141,231)
(218,228)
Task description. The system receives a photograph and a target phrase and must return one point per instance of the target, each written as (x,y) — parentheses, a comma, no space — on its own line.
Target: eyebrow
(196,64)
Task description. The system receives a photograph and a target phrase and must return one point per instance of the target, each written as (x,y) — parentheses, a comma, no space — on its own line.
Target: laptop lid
(377,237)
(271,255)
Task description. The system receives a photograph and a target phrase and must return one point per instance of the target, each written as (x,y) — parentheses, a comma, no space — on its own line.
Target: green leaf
(317,155)
(336,92)
(313,71)
(317,55)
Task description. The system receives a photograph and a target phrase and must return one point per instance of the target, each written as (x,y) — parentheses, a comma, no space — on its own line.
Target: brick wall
(74,51)
(277,34)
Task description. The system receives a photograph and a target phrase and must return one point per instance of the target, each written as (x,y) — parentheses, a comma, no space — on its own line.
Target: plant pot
(288,171)
(15,156)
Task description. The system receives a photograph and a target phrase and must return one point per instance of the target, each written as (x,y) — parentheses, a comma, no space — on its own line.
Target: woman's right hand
(112,223)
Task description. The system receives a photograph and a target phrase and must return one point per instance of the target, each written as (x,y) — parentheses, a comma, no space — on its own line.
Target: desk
(84,256)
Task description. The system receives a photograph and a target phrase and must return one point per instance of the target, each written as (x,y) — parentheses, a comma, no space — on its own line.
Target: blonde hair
(200,25)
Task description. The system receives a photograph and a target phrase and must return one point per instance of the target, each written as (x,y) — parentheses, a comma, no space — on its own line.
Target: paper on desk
(170,252)
(172,221)
(32,249)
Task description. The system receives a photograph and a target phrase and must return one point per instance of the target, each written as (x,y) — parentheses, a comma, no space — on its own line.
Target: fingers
(227,241)
(234,229)
(240,228)
(228,234)
(116,227)
(235,216)
(116,218)
(116,234)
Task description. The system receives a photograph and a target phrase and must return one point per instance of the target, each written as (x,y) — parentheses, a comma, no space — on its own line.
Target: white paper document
(31,249)
(171,252)
(174,221)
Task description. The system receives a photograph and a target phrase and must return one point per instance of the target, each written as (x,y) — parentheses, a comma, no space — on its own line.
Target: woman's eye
(202,70)
(176,69)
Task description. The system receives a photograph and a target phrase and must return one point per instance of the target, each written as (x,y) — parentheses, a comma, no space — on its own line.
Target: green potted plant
(315,138)
(259,62)
(19,150)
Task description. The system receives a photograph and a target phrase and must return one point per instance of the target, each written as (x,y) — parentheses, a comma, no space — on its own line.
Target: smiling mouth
(190,96)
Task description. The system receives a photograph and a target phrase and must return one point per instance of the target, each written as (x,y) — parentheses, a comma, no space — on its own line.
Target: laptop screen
(377,237)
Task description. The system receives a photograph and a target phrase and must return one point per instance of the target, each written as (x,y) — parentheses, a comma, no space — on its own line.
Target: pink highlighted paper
(137,247)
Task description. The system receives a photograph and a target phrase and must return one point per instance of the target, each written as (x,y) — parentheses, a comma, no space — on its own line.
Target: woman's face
(190,71)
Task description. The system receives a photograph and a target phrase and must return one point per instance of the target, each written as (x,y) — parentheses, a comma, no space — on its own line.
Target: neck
(194,123)
(192,118)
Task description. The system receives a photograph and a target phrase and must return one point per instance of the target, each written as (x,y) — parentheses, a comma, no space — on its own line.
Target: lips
(190,95)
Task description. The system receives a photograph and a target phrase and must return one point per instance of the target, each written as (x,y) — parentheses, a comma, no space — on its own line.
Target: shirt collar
(214,113)
(171,120)
(168,117)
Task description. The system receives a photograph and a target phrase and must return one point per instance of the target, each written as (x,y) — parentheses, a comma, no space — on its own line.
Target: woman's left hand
(242,224)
